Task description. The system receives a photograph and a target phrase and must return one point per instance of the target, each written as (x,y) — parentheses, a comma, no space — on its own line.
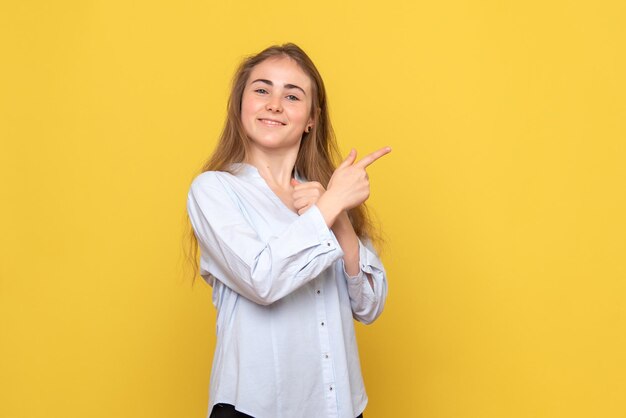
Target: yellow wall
(503,200)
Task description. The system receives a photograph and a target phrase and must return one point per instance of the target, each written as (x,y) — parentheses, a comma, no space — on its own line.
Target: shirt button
(328,243)
(331,388)
(322,324)
(318,292)
(325,355)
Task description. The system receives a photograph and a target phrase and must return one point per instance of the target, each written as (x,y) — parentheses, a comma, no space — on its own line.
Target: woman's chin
(275,143)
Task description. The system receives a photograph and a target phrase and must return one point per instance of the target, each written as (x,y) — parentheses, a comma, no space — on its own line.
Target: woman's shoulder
(209,182)
(218,179)
(209,177)
(211,188)
(206,179)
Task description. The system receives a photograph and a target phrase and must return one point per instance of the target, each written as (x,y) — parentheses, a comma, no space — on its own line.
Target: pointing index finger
(370,158)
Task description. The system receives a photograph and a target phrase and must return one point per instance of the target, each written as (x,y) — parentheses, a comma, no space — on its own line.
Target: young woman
(285,242)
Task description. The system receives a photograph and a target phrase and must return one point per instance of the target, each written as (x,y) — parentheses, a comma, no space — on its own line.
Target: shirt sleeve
(367,303)
(232,252)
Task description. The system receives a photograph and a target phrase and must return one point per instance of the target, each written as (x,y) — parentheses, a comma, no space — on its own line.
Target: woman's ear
(310,123)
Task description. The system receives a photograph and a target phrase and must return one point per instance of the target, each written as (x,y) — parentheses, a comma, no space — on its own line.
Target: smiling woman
(286,244)
(276,109)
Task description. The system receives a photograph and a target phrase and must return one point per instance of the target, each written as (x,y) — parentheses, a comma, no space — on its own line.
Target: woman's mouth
(271,122)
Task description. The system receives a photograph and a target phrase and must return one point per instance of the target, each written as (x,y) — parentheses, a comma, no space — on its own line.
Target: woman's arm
(363,271)
(349,241)
(308,194)
(232,251)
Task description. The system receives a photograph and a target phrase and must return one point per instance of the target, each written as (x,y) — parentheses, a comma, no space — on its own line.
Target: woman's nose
(274,106)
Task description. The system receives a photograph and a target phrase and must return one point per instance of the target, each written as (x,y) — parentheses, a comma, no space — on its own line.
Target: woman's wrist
(342,223)
(330,208)
(349,242)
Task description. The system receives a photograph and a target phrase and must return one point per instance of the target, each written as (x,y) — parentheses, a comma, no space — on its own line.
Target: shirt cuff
(368,260)
(324,234)
(357,277)
(359,287)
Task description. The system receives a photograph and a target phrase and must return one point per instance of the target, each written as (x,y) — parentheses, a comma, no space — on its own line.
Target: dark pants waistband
(224,410)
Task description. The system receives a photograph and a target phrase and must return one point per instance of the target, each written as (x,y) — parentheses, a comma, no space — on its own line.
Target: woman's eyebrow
(287,86)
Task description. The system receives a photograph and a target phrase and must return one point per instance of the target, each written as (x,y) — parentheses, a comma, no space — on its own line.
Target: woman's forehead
(281,71)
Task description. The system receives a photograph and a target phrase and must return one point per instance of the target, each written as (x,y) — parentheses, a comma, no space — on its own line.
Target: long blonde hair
(318,154)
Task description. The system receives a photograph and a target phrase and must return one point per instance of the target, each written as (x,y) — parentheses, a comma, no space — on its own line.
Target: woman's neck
(275,166)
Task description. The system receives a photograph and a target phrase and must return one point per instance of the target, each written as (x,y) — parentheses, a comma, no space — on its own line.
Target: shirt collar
(248,170)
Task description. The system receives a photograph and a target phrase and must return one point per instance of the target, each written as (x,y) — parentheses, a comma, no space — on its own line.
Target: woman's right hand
(349,183)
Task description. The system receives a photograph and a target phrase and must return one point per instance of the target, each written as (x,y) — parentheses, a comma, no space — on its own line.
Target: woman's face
(276,104)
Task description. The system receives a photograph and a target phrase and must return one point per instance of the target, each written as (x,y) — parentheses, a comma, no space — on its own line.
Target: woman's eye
(262,91)
(292,97)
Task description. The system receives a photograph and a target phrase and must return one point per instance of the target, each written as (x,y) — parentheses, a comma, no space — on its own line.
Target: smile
(271,122)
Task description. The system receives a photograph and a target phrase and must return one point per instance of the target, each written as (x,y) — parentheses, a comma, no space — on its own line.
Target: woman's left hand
(306,194)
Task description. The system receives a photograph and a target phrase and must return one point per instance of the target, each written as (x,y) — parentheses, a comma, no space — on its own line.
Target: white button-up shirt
(286,345)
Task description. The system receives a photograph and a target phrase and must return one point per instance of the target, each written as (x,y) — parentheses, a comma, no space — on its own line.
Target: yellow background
(503,201)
